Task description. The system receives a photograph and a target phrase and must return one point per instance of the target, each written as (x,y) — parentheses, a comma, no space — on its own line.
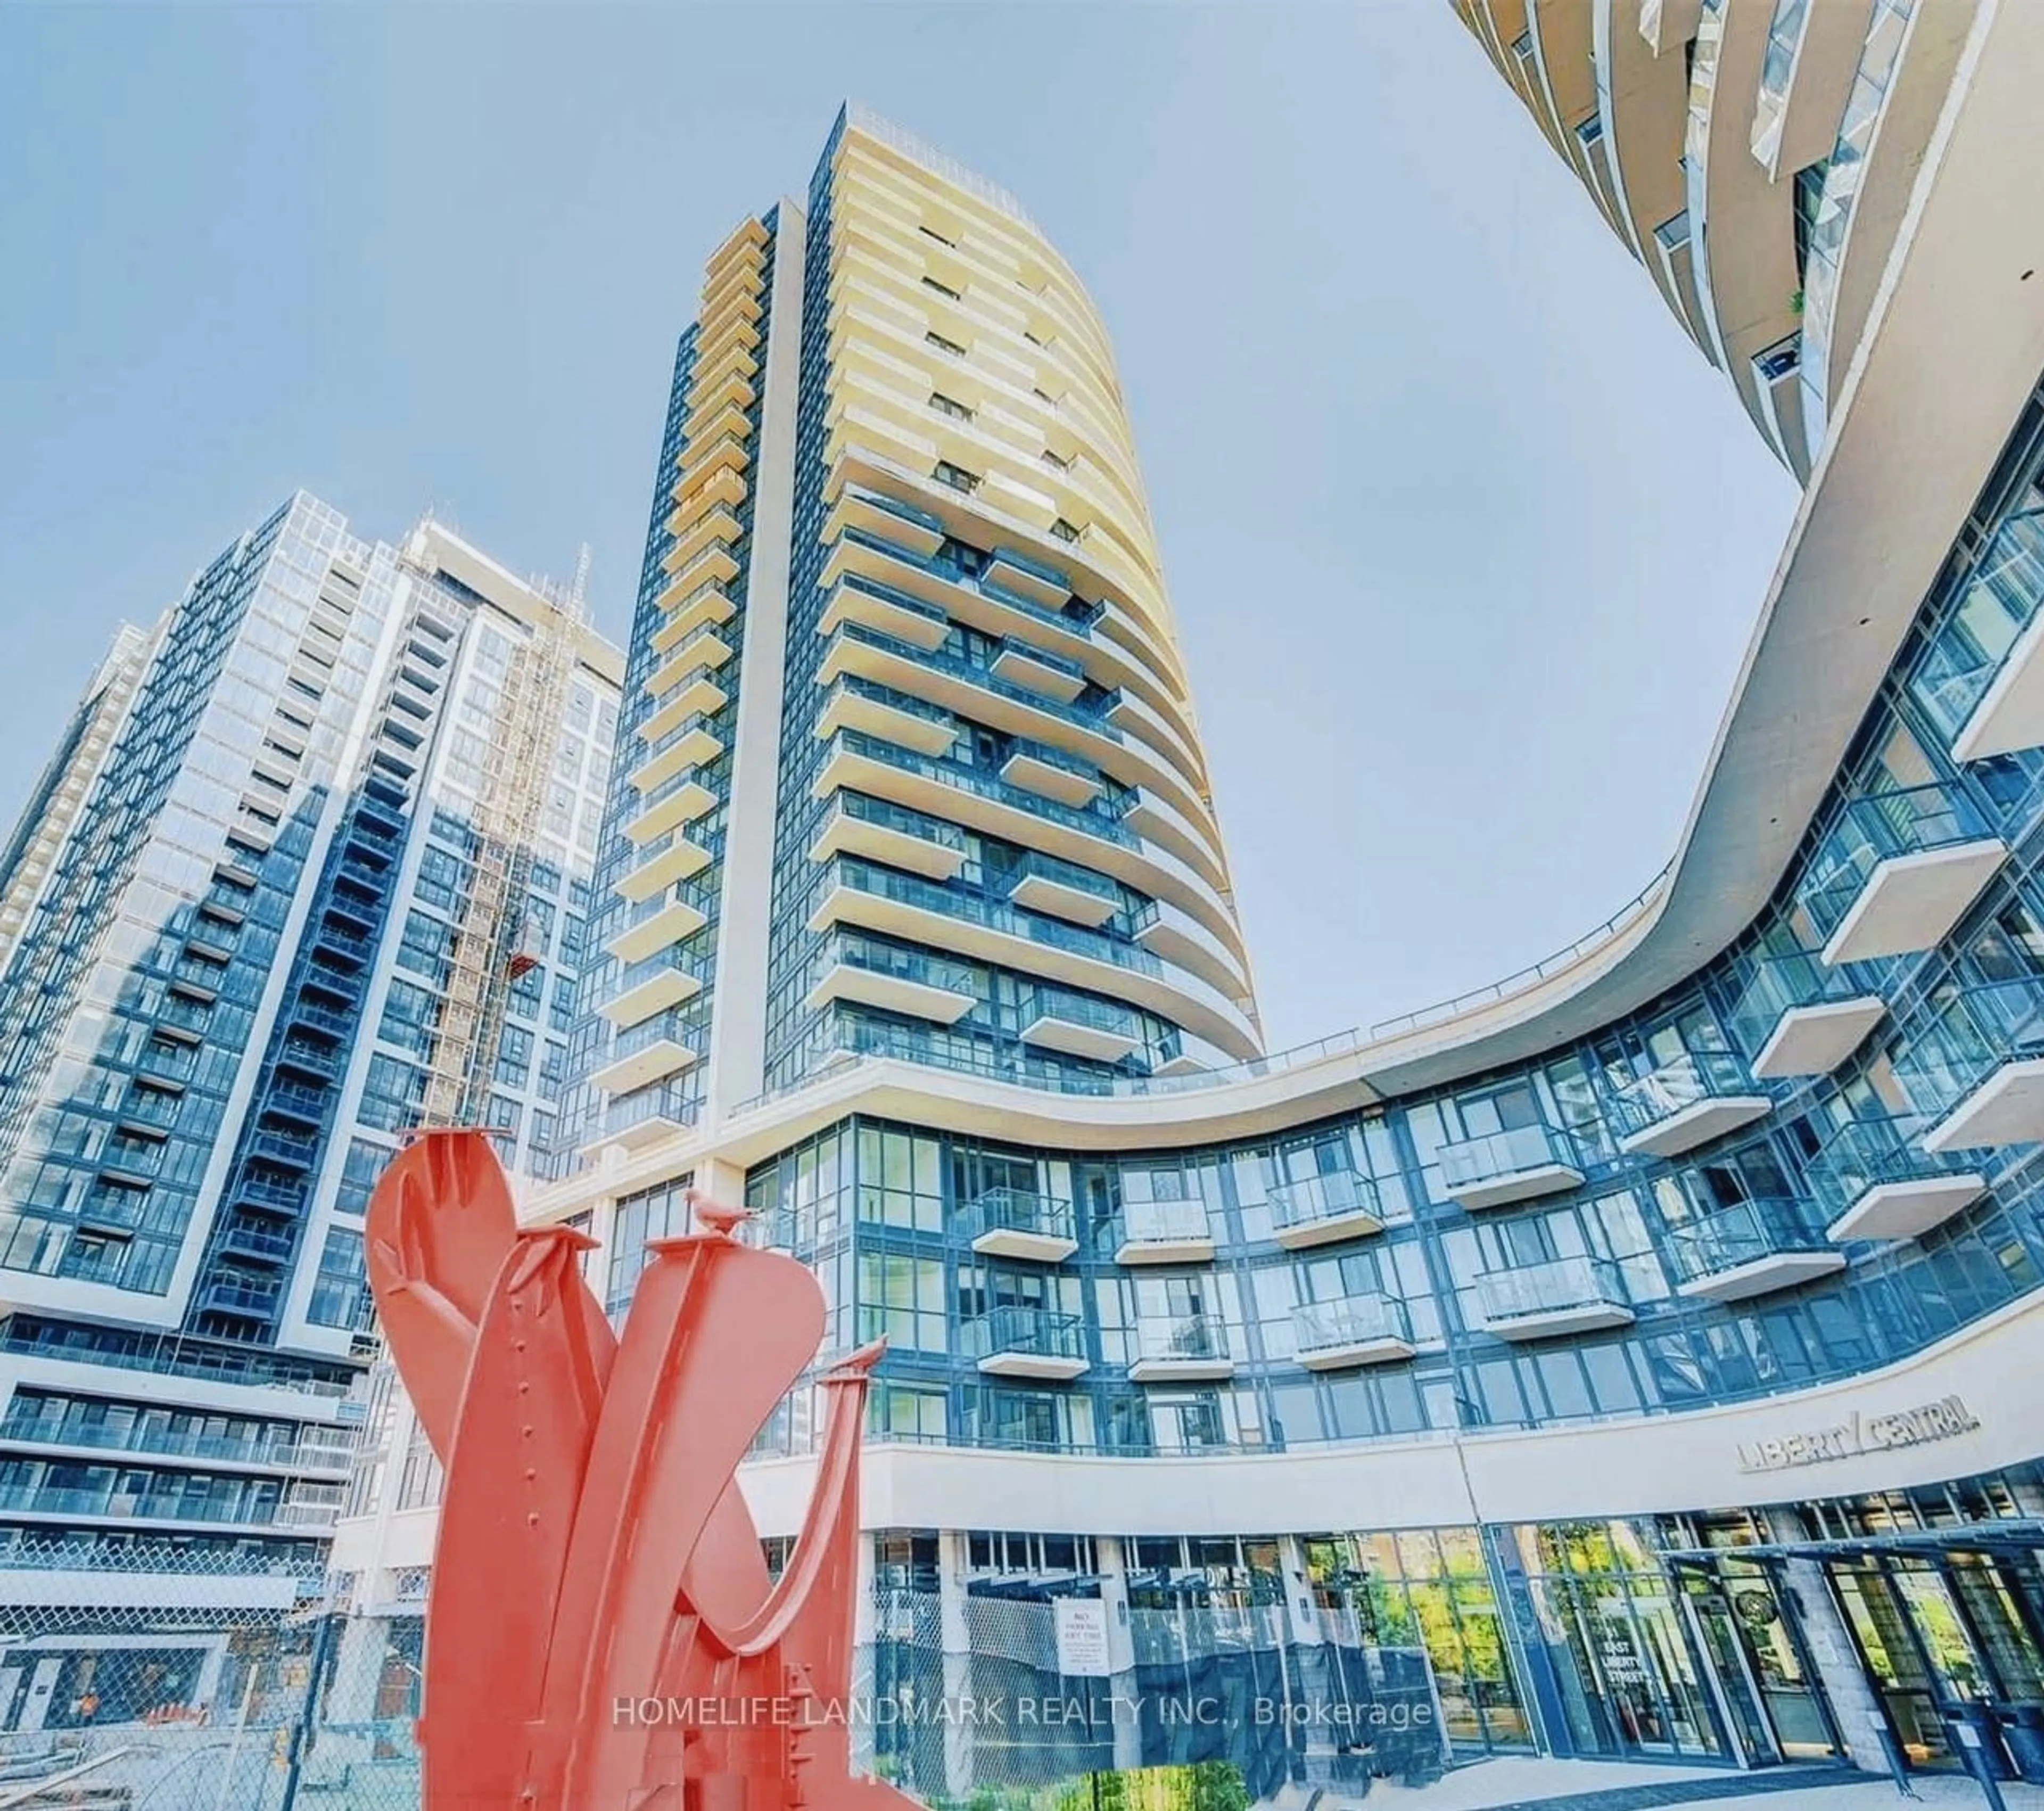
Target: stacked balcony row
(683,734)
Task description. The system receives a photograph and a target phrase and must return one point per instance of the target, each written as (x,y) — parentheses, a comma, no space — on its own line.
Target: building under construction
(311,869)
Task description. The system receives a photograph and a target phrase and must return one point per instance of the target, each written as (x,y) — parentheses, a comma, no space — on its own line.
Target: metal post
(302,1737)
(1970,1740)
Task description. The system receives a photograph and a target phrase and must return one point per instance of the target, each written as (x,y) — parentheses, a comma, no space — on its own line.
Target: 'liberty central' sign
(1860,1434)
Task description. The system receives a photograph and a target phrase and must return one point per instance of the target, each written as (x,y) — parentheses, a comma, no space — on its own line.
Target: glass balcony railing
(1560,1287)
(1086,716)
(1020,1211)
(854,685)
(1037,865)
(1692,1079)
(661,1102)
(264,1449)
(1865,1156)
(987,785)
(1026,1333)
(2000,602)
(1780,984)
(1472,1164)
(1750,1234)
(239,1298)
(1371,1320)
(1338,1196)
(1971,1033)
(283,1197)
(1878,828)
(1103,1016)
(927,896)
(857,807)
(1190,1339)
(923,970)
(1178,1222)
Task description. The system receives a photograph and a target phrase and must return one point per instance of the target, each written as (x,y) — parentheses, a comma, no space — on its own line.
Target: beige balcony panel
(663,991)
(642,1068)
(673,922)
(890,992)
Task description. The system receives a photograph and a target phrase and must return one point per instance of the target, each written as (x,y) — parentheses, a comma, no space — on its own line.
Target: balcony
(882,607)
(256,1244)
(1041,770)
(877,831)
(1019,1223)
(700,697)
(662,864)
(279,1148)
(1165,1232)
(1756,1248)
(885,518)
(1039,671)
(1984,1057)
(1544,1301)
(642,1120)
(861,895)
(1983,681)
(893,717)
(1191,1348)
(1798,1016)
(1518,1164)
(248,1302)
(1097,1029)
(272,1197)
(639,1063)
(916,985)
(1898,872)
(1026,1342)
(658,930)
(1875,1183)
(1342,1336)
(666,988)
(691,607)
(1324,1210)
(1700,1096)
(1064,889)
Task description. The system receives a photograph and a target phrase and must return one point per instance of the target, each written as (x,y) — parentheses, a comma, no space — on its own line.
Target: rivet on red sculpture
(602,1632)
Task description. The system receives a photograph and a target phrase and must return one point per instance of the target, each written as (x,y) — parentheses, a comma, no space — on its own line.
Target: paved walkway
(1529,1785)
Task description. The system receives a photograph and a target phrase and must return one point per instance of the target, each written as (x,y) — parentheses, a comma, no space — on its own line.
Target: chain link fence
(160,1677)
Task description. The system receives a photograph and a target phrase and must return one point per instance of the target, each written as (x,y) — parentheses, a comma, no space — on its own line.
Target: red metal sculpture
(602,1633)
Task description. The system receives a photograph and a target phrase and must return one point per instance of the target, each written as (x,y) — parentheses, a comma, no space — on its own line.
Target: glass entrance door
(1913,1678)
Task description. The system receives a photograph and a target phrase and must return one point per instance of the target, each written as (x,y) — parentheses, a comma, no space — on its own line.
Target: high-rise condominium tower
(314,867)
(912,765)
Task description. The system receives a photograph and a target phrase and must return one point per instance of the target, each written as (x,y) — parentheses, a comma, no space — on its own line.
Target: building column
(1858,1709)
(1126,1699)
(864,1624)
(956,1639)
(358,1669)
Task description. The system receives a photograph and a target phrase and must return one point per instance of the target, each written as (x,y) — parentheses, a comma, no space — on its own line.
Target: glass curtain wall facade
(229,999)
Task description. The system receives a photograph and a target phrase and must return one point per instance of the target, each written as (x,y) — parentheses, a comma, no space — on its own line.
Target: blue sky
(1464,538)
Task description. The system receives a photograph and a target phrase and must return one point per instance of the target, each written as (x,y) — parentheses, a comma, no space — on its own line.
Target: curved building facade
(1618,1359)
(1757,156)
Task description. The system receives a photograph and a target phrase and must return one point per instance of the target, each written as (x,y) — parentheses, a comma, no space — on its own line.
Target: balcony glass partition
(1877,828)
(1334,1196)
(1358,1321)
(1518,1148)
(1525,1291)
(1746,1234)
(1691,1079)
